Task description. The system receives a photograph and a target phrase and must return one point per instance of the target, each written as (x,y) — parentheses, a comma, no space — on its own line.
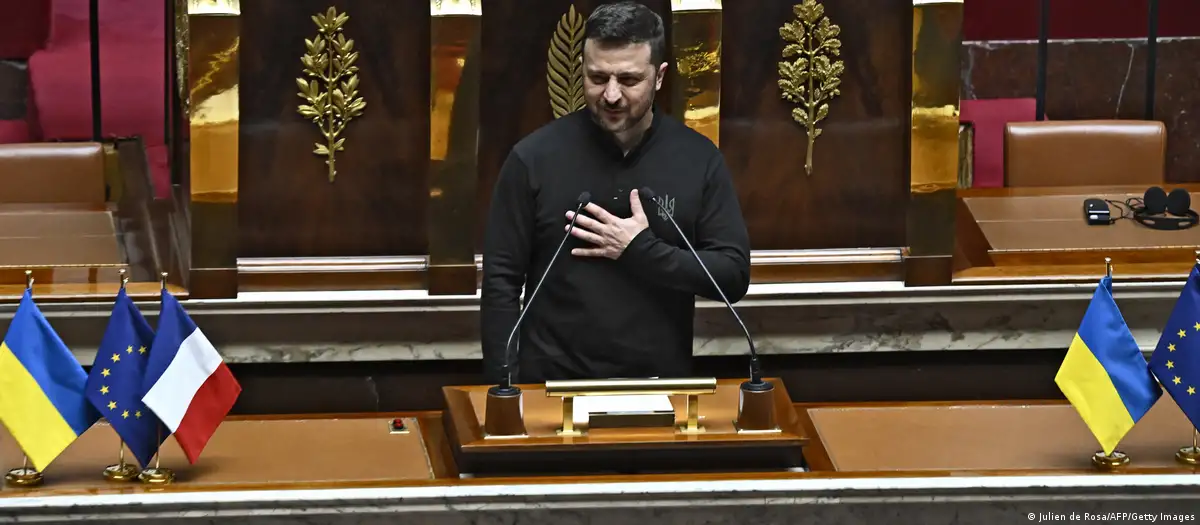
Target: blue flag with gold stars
(114,385)
(1176,359)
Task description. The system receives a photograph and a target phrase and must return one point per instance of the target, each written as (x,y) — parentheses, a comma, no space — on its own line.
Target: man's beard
(633,116)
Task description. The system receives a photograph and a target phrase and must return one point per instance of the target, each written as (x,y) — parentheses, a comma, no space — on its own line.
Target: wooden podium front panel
(243,454)
(974,437)
(542,451)
(543,417)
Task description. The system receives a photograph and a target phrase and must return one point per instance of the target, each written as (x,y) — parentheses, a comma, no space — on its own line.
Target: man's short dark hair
(628,22)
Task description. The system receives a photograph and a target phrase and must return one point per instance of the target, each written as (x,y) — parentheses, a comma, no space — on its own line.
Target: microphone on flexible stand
(503,415)
(756,407)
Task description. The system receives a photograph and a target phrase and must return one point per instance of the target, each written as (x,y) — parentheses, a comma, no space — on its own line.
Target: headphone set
(1159,210)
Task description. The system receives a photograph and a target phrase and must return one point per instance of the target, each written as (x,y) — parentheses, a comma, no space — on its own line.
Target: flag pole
(157,475)
(26,476)
(121,471)
(1191,455)
(1117,459)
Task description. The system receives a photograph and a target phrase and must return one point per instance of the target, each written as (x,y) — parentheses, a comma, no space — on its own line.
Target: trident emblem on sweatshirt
(667,210)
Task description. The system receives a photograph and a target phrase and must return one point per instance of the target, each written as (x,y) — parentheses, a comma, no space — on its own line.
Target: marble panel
(1036,500)
(785,324)
(1098,79)
(1177,97)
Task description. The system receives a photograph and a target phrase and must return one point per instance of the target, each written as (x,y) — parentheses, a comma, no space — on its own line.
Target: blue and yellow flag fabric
(1176,359)
(114,385)
(1104,375)
(41,387)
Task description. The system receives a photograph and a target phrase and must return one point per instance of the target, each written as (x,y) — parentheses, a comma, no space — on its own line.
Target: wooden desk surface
(991,437)
(543,416)
(883,440)
(248,454)
(1015,219)
(1038,235)
(1135,190)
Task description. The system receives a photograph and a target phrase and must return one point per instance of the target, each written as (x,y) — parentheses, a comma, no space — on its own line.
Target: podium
(544,437)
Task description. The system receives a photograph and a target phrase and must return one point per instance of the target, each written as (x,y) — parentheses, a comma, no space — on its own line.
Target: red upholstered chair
(24,26)
(989,117)
(131,74)
(14,131)
(132,77)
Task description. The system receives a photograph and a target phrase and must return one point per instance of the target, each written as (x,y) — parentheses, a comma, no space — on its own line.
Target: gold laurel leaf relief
(564,65)
(810,74)
(329,86)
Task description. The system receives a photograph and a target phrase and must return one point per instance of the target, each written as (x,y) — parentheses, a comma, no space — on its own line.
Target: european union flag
(1176,359)
(114,385)
(1104,374)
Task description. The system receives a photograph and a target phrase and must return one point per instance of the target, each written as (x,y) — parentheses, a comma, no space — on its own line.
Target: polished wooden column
(696,71)
(453,143)
(212,41)
(937,40)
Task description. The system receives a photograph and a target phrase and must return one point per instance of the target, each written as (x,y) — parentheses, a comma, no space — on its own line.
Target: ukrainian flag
(1104,374)
(42,385)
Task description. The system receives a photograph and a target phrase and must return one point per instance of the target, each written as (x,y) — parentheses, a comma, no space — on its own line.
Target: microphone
(756,384)
(505,386)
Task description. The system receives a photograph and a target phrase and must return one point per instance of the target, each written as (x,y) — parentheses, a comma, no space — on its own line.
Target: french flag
(187,384)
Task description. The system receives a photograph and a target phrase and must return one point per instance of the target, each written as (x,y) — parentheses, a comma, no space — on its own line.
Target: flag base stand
(121,472)
(1111,462)
(157,476)
(23,477)
(1188,455)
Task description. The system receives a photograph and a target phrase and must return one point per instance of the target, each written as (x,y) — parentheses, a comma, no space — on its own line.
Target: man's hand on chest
(608,234)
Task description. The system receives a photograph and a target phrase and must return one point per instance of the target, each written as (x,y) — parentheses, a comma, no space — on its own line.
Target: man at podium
(618,282)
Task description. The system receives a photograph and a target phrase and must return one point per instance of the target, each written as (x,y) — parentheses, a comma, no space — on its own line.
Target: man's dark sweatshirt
(596,317)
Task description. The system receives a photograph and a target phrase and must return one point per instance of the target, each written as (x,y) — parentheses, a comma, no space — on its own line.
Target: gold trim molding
(331,97)
(935,142)
(696,27)
(564,64)
(214,7)
(208,42)
(455,8)
(811,76)
(935,131)
(455,53)
(683,6)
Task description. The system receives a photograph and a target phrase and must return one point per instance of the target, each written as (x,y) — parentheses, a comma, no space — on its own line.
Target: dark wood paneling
(376,206)
(516,36)
(858,191)
(298,388)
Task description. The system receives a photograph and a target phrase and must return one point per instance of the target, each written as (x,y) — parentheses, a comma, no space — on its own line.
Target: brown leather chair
(52,173)
(52,211)
(1084,153)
